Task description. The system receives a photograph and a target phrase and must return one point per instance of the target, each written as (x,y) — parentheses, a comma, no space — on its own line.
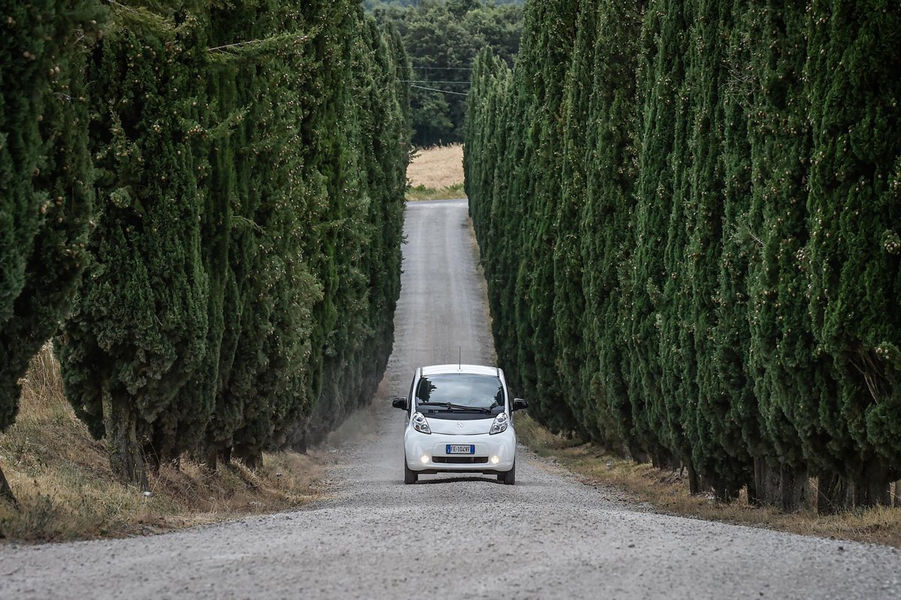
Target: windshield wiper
(458,407)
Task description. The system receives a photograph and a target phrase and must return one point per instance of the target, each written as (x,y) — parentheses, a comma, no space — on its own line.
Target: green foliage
(137,334)
(566,260)
(46,176)
(528,203)
(852,257)
(713,188)
(789,375)
(716,444)
(659,79)
(725,382)
(251,162)
(604,210)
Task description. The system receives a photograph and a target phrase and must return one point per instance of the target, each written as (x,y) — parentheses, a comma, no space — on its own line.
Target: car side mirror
(520,404)
(400,403)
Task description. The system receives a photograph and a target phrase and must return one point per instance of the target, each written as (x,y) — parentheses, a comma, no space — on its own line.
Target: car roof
(468,369)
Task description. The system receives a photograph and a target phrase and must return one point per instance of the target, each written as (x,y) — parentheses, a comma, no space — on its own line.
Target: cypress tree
(781,357)
(182,426)
(320,158)
(237,175)
(659,79)
(605,215)
(46,177)
(534,187)
(676,358)
(503,235)
(522,198)
(736,243)
(484,140)
(555,41)
(254,44)
(488,141)
(139,327)
(278,365)
(727,386)
(854,209)
(385,136)
(505,269)
(717,449)
(371,283)
(334,162)
(569,299)
(221,231)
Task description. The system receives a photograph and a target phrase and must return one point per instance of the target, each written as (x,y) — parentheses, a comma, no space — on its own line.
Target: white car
(459,419)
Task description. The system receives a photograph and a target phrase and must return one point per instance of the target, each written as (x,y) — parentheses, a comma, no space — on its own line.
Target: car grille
(460,460)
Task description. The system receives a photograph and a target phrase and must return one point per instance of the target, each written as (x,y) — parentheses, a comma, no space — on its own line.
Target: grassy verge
(420,192)
(667,491)
(62,480)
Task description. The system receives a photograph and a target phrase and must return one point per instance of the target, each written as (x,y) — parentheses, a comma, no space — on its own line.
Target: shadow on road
(460,479)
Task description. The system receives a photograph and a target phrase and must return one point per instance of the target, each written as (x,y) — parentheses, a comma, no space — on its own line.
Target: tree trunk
(7,492)
(637,454)
(873,489)
(126,458)
(694,482)
(780,486)
(725,492)
(152,460)
(795,488)
(251,457)
(753,497)
(209,459)
(299,439)
(662,459)
(833,494)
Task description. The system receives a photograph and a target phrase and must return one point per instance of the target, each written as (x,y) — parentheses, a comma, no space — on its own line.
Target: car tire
(508,478)
(410,476)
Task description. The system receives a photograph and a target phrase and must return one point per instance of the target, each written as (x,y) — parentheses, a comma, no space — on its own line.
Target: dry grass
(667,491)
(436,171)
(419,193)
(66,490)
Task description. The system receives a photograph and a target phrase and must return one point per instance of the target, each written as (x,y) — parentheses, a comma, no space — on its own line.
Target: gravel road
(452,537)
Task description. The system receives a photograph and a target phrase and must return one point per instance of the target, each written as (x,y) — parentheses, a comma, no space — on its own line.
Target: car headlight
(420,424)
(500,424)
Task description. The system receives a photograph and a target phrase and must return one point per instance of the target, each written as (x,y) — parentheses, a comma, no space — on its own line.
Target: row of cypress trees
(208,198)
(689,220)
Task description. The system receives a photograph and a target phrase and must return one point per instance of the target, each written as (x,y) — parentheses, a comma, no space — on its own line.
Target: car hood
(455,427)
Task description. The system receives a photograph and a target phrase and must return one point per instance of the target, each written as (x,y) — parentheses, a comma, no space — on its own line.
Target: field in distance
(436,173)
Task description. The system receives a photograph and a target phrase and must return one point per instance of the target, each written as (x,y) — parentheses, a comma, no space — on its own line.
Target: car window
(461,390)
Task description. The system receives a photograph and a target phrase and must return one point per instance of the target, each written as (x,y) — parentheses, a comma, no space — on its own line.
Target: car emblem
(459,424)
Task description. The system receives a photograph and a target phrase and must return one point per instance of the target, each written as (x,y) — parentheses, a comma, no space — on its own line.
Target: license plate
(460,449)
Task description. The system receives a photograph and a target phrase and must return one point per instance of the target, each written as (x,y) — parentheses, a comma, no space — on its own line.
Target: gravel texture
(452,537)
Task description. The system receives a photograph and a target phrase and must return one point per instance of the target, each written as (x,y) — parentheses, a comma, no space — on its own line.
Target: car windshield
(461,392)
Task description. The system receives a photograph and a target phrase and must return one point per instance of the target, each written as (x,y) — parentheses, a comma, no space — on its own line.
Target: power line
(431,89)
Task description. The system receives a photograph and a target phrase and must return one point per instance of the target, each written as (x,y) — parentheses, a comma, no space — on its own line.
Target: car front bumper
(427,453)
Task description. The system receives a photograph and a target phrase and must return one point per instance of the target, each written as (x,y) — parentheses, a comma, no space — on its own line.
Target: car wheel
(410,476)
(508,478)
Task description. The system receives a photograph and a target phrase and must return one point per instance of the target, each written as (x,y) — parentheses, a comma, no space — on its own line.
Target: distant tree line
(442,38)
(690,222)
(208,198)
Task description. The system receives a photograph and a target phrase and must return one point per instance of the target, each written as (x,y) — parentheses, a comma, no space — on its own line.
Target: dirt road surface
(452,537)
